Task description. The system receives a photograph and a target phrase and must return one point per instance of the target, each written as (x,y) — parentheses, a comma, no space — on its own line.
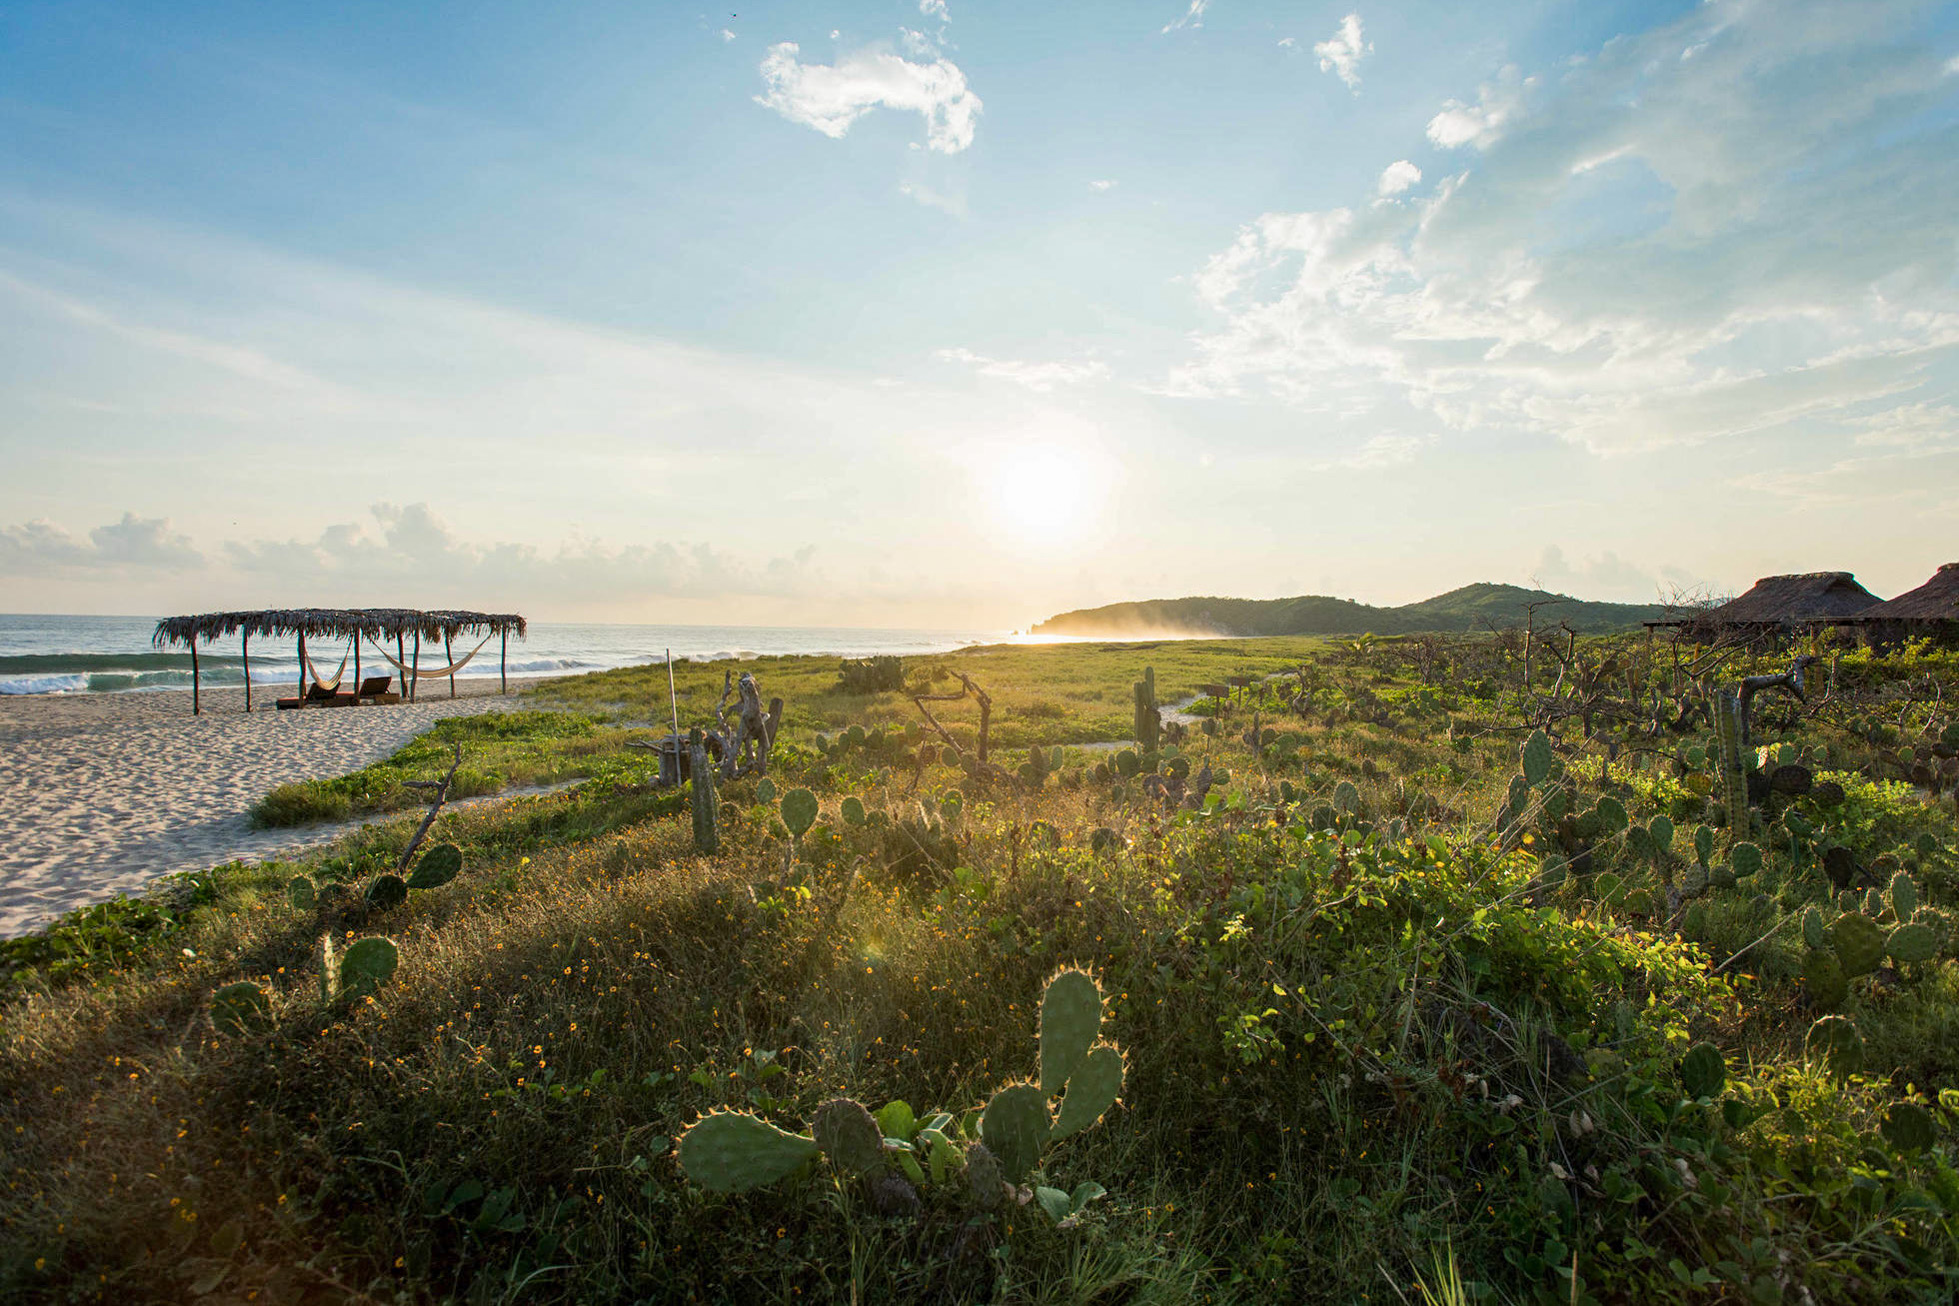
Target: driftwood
(739,747)
(441,788)
(1791,680)
(967,689)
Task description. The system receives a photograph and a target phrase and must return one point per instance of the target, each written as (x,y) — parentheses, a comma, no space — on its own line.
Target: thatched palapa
(1931,609)
(353,624)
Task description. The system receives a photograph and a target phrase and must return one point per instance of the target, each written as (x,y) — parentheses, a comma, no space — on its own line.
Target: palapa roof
(1781,600)
(1936,600)
(334,623)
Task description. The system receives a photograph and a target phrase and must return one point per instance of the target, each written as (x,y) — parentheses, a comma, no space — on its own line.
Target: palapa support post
(503,661)
(245,656)
(357,666)
(196,708)
(302,668)
(401,659)
(415,667)
(449,653)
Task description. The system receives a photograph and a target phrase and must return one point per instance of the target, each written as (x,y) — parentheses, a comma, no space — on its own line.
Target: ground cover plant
(1427,969)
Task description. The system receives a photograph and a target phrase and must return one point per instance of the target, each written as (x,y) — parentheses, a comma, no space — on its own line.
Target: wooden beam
(196,708)
(503,663)
(245,654)
(449,652)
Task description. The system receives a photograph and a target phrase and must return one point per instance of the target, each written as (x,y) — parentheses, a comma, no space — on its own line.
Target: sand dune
(102,793)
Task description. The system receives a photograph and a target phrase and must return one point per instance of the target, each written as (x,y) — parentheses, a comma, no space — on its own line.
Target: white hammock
(433,673)
(327,686)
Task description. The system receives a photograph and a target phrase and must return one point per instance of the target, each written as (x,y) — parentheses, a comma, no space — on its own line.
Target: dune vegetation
(1439,968)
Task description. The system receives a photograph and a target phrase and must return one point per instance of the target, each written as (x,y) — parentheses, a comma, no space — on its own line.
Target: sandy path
(102,793)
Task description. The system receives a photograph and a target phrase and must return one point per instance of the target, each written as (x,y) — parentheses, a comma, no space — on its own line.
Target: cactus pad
(1015,1128)
(240,1008)
(437,867)
(853,810)
(1815,933)
(1071,1017)
(1904,897)
(1612,817)
(1660,830)
(1702,1071)
(1537,758)
(301,893)
(799,811)
(1836,1042)
(386,891)
(1907,1127)
(1092,1090)
(1703,843)
(1823,979)
(765,790)
(367,965)
(1911,943)
(1746,859)
(732,1152)
(849,1135)
(1859,942)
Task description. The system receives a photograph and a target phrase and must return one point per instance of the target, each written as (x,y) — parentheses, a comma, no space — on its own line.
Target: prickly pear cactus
(367,965)
(437,867)
(1904,897)
(1907,1127)
(849,1135)
(1815,933)
(852,810)
(1537,758)
(301,893)
(798,812)
(1836,1042)
(732,1152)
(1911,944)
(1824,980)
(240,1008)
(1015,1127)
(1702,1071)
(1092,1090)
(1859,943)
(1746,859)
(386,891)
(1071,1018)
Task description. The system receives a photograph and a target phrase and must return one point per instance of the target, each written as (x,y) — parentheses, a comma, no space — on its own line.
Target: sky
(934,313)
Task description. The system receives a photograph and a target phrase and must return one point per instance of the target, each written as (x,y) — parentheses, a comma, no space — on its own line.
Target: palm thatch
(1936,600)
(334,623)
(1808,598)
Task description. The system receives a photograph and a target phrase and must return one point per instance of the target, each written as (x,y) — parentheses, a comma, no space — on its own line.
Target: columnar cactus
(1149,721)
(707,837)
(1733,779)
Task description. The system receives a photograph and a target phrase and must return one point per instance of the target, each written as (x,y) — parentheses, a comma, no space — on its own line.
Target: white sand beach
(102,793)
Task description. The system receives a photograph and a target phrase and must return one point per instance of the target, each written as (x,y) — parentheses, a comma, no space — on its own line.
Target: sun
(1044,494)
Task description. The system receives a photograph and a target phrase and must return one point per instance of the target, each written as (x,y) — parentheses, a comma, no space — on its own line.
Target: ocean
(102,655)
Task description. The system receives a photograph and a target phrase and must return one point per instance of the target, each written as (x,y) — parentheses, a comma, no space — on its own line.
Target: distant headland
(1481,606)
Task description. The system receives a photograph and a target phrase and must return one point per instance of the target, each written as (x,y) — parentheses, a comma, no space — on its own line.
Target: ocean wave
(43,684)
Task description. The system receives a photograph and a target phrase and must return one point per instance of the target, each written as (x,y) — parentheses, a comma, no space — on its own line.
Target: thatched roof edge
(1936,600)
(335,623)
(1809,596)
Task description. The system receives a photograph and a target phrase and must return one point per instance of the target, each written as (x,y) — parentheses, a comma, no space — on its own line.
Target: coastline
(101,794)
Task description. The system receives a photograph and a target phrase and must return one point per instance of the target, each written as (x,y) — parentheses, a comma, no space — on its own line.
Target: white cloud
(934,9)
(932,199)
(40,548)
(1479,124)
(830,97)
(1193,17)
(1604,577)
(727,35)
(917,44)
(1656,253)
(1288,42)
(1039,377)
(1102,186)
(1397,177)
(1341,53)
(1375,453)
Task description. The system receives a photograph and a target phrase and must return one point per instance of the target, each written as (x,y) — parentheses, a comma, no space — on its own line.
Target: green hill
(1473,607)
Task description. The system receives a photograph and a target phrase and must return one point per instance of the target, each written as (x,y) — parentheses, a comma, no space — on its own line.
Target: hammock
(327,686)
(433,673)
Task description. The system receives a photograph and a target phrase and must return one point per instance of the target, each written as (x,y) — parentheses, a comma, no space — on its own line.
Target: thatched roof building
(1779,603)
(1932,608)
(353,624)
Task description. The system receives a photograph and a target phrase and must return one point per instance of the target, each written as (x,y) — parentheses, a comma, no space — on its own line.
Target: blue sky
(962,314)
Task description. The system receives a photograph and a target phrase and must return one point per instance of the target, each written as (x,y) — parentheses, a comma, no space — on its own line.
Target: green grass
(1373,1055)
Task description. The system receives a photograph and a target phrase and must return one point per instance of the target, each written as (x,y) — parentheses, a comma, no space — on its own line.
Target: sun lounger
(374,689)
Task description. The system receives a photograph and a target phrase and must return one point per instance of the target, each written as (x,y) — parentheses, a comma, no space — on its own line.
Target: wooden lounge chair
(374,689)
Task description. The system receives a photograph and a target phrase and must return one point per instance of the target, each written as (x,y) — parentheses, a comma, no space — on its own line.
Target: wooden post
(357,667)
(302,668)
(503,663)
(196,708)
(401,657)
(245,655)
(449,652)
(415,667)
